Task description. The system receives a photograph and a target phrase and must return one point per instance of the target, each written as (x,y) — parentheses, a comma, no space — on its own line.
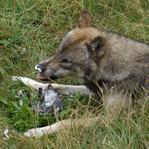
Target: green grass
(30,30)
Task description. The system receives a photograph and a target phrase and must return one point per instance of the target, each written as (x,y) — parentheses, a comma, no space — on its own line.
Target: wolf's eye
(66,60)
(66,63)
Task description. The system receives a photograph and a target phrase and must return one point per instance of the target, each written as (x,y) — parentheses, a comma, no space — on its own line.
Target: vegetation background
(30,30)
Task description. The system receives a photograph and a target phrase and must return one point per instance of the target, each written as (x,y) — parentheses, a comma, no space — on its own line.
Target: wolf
(112,67)
(102,59)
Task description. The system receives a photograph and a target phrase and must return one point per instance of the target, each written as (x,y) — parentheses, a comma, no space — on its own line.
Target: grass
(30,30)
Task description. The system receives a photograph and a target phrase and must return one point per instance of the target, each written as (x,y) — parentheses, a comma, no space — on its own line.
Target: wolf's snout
(40,68)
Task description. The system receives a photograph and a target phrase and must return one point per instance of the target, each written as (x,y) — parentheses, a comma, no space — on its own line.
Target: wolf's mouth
(42,78)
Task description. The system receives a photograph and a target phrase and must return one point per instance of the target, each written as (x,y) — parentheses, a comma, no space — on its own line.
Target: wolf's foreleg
(61,125)
(60,88)
(71,89)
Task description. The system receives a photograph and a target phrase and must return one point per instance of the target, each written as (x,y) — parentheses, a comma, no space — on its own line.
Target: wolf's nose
(40,67)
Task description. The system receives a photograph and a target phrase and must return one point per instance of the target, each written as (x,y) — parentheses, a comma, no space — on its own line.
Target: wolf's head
(78,53)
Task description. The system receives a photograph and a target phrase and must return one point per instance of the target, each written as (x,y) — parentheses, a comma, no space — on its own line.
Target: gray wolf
(99,58)
(113,67)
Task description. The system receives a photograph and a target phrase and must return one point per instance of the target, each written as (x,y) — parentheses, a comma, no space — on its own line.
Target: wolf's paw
(14,78)
(36,132)
(32,132)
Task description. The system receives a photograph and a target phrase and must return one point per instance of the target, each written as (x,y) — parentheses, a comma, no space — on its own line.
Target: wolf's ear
(85,19)
(96,44)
